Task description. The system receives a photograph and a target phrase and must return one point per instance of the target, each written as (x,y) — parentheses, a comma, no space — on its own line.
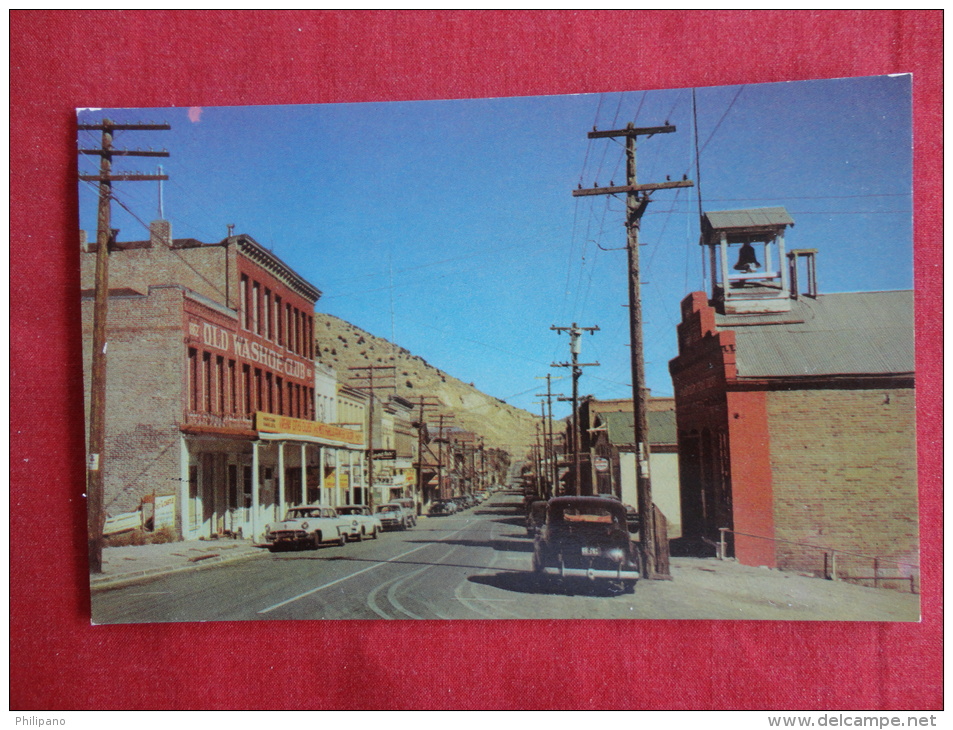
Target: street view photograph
(640,355)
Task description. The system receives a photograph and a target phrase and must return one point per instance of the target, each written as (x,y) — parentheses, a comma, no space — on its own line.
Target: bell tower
(747,260)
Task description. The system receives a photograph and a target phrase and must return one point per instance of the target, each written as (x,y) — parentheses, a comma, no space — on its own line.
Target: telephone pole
(636,201)
(370,388)
(574,332)
(551,449)
(421,429)
(105,237)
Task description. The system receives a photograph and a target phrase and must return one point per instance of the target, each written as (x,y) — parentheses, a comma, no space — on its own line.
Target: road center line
(363,570)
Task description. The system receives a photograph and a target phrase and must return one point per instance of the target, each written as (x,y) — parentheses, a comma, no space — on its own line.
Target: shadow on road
(372,561)
(529,582)
(501,545)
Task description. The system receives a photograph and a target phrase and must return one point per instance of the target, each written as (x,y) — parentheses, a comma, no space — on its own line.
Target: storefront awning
(302,438)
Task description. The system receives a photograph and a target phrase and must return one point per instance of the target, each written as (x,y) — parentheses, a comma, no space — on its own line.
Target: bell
(746,259)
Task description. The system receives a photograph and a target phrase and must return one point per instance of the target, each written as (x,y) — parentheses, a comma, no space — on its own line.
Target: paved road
(475,565)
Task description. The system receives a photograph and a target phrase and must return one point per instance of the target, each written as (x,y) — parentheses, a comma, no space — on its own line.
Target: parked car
(536,517)
(362,522)
(586,538)
(306,527)
(410,507)
(443,507)
(393,517)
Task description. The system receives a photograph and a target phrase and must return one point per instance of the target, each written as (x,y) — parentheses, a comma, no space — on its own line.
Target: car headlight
(304,525)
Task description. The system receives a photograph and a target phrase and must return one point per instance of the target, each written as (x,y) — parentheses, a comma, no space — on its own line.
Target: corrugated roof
(860,333)
(749,218)
(621,430)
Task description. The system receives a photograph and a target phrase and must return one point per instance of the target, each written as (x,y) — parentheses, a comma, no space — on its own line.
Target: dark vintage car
(443,507)
(586,538)
(536,517)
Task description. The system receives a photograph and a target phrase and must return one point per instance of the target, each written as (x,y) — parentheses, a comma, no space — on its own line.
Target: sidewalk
(122,565)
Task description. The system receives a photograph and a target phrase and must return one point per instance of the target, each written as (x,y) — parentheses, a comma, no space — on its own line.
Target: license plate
(591,551)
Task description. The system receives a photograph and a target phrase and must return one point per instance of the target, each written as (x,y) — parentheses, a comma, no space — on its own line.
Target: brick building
(795,412)
(210,394)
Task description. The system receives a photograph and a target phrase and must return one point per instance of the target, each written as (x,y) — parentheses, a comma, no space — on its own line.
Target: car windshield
(389,508)
(297,514)
(587,512)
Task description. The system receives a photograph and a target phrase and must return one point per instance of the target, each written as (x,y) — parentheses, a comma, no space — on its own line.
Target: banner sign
(270,423)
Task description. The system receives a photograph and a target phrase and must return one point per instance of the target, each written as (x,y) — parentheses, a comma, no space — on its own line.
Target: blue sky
(450,228)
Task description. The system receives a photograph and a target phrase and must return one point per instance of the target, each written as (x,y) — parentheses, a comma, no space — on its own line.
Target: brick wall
(143,395)
(844,471)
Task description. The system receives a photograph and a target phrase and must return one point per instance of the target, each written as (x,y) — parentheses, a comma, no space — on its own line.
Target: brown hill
(342,345)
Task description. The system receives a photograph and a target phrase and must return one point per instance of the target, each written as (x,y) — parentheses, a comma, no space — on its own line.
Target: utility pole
(421,429)
(370,388)
(551,448)
(574,332)
(636,201)
(440,441)
(105,237)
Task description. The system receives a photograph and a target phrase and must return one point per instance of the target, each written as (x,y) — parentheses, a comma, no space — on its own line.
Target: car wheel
(374,533)
(360,535)
(316,540)
(342,539)
(273,548)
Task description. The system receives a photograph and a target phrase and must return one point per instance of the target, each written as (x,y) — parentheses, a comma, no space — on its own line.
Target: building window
(246,388)
(255,308)
(279,330)
(243,293)
(207,380)
(290,399)
(267,314)
(288,327)
(270,393)
(280,392)
(257,393)
(232,389)
(220,383)
(310,337)
(193,380)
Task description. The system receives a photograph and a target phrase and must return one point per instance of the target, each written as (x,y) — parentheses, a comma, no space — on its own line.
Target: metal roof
(776,217)
(859,333)
(621,431)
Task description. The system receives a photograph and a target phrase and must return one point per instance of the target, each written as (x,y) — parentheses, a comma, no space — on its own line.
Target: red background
(61,60)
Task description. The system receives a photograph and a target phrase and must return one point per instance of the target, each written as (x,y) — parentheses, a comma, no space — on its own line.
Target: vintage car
(536,517)
(443,507)
(586,538)
(307,527)
(362,522)
(410,507)
(393,517)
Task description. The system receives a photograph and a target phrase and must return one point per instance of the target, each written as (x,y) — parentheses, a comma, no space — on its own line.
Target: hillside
(342,345)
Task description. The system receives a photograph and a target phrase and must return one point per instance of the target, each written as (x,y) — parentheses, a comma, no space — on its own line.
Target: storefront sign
(164,511)
(601,464)
(386,454)
(232,342)
(270,423)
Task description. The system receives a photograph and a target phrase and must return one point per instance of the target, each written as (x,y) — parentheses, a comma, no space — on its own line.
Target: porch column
(785,286)
(304,473)
(184,487)
(350,477)
(280,507)
(322,491)
(255,505)
(336,500)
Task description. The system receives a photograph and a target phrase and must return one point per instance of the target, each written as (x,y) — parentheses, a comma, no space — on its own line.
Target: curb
(105,582)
